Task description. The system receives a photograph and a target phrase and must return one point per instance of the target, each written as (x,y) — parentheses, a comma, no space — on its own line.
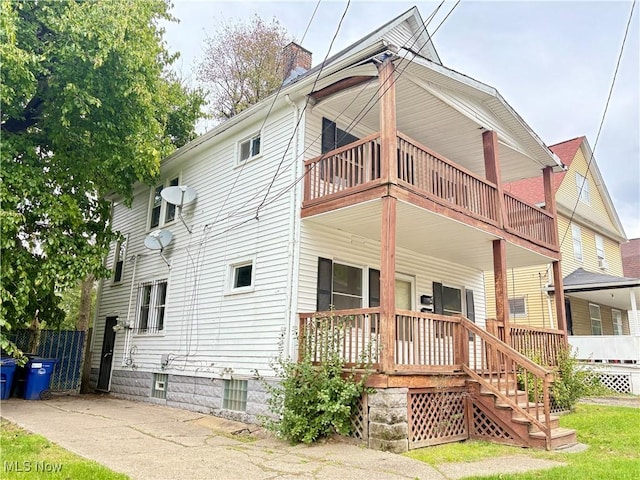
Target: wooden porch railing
(344,170)
(426,340)
(353,334)
(442,180)
(539,344)
(529,221)
(513,378)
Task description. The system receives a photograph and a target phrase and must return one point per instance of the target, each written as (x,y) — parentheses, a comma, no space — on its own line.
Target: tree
(88,110)
(242,64)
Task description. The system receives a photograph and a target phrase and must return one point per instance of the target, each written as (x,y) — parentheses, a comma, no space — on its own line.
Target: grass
(29,456)
(612,433)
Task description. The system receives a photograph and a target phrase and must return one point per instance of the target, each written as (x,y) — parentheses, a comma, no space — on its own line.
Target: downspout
(293,253)
(127,338)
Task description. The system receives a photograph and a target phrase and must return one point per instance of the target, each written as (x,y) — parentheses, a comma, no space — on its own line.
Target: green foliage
(572,381)
(314,401)
(88,110)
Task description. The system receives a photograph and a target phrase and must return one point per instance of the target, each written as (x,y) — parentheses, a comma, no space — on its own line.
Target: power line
(604,113)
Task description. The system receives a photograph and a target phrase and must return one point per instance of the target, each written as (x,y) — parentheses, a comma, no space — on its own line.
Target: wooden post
(388,129)
(558,291)
(492,170)
(501,287)
(388,284)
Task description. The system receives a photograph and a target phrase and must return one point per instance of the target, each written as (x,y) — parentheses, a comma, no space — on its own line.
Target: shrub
(314,401)
(573,381)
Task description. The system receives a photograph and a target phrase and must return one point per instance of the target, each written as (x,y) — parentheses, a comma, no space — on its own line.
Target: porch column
(634,319)
(388,284)
(388,129)
(492,171)
(501,288)
(388,176)
(558,291)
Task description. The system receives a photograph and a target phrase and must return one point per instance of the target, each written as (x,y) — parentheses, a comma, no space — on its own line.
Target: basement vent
(159,387)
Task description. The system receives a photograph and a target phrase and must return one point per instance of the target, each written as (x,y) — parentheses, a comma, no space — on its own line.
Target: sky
(552,61)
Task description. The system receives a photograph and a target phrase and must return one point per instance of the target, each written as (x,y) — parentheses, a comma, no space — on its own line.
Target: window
(517,307)
(600,247)
(160,209)
(451,301)
(596,319)
(339,286)
(152,297)
(240,276)
(616,316)
(159,386)
(576,234)
(334,137)
(249,148)
(582,185)
(235,395)
(119,259)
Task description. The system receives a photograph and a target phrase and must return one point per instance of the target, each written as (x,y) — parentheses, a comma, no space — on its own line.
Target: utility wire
(604,114)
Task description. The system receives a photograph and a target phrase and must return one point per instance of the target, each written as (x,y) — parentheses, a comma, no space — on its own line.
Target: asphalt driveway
(155,442)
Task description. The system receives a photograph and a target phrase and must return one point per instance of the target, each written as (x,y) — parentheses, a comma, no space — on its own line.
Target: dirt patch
(630,401)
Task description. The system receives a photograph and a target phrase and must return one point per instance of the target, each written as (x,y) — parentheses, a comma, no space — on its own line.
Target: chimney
(297,61)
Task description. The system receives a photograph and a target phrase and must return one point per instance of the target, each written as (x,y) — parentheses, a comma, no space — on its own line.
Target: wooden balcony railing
(352,334)
(540,344)
(357,166)
(346,169)
(426,340)
(529,221)
(440,179)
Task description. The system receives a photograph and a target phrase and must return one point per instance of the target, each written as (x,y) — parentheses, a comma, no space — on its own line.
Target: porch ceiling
(430,118)
(619,298)
(428,233)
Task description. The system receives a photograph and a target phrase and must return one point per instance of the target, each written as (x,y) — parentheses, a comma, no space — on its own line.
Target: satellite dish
(179,195)
(158,240)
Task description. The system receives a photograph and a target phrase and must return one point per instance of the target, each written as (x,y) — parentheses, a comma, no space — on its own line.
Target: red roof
(532,189)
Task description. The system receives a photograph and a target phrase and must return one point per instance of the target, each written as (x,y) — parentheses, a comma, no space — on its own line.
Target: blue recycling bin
(7,371)
(39,371)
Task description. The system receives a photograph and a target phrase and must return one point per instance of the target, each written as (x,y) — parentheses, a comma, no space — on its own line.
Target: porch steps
(495,420)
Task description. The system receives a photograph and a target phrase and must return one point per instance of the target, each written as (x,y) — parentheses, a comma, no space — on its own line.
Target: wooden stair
(494,420)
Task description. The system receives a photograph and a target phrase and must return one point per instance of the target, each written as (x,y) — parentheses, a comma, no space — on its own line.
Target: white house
(371,183)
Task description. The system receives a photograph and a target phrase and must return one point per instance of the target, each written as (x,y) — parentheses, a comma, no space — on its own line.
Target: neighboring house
(371,185)
(631,258)
(600,300)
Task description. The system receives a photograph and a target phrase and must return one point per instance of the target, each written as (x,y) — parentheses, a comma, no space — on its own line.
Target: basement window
(235,395)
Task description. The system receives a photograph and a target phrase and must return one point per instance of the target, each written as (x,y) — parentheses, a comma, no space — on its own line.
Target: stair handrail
(513,359)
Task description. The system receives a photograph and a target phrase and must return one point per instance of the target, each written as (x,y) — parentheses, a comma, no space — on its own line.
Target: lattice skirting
(618,382)
(360,419)
(436,416)
(482,426)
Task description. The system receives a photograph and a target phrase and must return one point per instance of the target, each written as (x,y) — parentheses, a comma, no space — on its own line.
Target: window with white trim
(119,259)
(162,212)
(152,297)
(596,319)
(517,307)
(599,247)
(582,186)
(249,148)
(576,235)
(241,276)
(616,317)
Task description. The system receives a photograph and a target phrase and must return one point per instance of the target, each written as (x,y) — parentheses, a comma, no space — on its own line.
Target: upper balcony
(342,177)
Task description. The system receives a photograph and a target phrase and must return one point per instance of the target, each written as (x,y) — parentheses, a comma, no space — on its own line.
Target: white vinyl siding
(203,326)
(576,236)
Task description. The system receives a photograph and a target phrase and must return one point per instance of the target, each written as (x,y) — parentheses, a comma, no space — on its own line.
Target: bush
(573,381)
(314,401)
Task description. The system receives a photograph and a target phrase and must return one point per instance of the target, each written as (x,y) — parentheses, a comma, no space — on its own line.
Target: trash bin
(7,371)
(39,372)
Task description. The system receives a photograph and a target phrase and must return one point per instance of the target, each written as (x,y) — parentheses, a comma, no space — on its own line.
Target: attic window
(249,148)
(582,185)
